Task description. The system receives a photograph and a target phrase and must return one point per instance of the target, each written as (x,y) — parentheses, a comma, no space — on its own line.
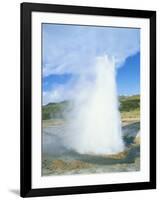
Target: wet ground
(58,160)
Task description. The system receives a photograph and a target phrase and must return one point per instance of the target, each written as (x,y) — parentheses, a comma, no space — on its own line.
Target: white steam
(96,127)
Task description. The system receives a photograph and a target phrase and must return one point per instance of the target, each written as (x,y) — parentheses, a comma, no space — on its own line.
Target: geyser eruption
(97,126)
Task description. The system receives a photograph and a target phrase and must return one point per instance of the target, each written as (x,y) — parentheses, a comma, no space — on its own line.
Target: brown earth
(69,165)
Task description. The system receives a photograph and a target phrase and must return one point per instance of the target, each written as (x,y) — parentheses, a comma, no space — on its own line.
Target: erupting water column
(99,118)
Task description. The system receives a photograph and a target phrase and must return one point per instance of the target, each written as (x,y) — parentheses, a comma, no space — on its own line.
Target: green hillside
(129,108)
(129,103)
(55,110)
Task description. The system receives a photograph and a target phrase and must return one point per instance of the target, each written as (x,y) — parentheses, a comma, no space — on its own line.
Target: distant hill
(128,104)
(55,110)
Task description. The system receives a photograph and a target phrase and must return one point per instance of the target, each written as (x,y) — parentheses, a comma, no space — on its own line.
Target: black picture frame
(26,105)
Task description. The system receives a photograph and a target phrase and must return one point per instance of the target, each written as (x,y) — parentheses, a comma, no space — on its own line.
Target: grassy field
(130,108)
(56,112)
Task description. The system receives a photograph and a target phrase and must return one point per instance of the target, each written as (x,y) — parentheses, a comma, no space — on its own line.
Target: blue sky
(69,53)
(128,76)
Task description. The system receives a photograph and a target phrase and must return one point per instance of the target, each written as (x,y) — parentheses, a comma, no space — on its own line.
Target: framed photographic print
(88,99)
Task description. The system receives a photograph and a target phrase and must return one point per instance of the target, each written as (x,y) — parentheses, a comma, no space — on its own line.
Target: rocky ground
(57,160)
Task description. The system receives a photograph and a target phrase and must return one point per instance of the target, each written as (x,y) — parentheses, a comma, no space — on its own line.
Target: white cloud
(60,92)
(73,49)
